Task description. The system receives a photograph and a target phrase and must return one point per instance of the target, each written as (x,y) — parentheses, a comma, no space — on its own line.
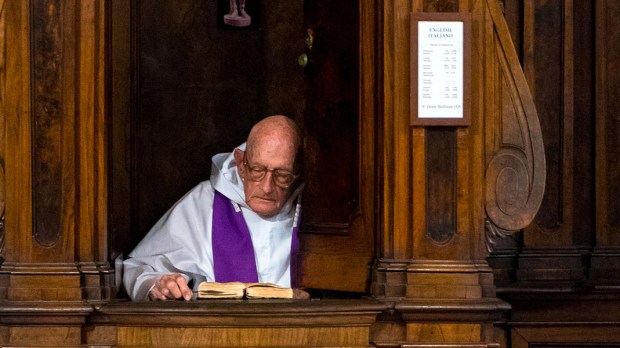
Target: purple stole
(233,252)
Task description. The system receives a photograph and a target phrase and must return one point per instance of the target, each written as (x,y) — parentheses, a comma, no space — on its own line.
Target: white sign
(440,69)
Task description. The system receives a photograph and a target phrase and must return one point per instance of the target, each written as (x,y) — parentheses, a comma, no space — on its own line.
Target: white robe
(181,240)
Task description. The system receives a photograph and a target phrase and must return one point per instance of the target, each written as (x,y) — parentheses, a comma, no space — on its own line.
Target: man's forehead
(278,157)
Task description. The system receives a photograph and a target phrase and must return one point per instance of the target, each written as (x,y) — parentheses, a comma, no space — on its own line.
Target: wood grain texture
(46,336)
(17,125)
(350,254)
(443,333)
(91,158)
(239,323)
(68,189)
(235,337)
(3,39)
(47,108)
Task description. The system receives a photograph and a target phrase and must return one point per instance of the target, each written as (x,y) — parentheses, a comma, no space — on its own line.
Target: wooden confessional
(502,233)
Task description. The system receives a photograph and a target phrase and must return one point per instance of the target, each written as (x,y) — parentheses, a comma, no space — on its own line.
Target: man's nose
(267,183)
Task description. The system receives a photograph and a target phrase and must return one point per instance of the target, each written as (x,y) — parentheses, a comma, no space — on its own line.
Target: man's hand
(170,287)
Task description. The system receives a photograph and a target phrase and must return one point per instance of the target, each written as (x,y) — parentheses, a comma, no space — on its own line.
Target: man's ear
(238,153)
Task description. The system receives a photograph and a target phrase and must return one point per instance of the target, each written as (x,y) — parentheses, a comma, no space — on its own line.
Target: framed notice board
(440,69)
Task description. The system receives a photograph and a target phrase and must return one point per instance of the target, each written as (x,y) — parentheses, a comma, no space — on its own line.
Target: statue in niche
(237,17)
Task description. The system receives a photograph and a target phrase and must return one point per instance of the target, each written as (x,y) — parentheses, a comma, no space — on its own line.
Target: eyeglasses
(281,177)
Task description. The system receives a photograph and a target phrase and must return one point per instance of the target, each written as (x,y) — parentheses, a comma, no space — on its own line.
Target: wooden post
(446,189)
(53,98)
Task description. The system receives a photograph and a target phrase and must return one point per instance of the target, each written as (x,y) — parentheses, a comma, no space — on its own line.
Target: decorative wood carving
(515,173)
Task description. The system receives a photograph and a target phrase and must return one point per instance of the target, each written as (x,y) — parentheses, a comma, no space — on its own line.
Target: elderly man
(241,225)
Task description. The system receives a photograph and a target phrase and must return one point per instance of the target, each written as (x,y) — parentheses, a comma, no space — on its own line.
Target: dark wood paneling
(605,262)
(198,90)
(513,11)
(608,218)
(339,217)
(547,86)
(440,154)
(47,108)
(551,243)
(197,93)
(584,133)
(331,118)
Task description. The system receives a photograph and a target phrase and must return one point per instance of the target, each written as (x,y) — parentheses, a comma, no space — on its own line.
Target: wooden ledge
(38,313)
(485,309)
(241,313)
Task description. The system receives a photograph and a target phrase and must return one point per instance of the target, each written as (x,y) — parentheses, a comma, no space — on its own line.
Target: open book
(242,290)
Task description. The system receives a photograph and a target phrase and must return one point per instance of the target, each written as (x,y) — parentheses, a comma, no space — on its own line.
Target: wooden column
(53,152)
(605,262)
(447,192)
(52,118)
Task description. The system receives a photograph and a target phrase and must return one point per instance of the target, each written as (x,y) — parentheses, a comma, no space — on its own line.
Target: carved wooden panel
(47,110)
(515,170)
(441,193)
(554,42)
(54,242)
(558,59)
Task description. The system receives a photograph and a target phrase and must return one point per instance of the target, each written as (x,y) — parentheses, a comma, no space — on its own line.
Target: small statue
(237,16)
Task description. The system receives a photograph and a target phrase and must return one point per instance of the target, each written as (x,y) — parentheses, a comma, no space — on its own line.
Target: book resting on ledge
(242,290)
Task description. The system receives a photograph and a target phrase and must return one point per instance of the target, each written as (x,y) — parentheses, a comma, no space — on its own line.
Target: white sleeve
(179,242)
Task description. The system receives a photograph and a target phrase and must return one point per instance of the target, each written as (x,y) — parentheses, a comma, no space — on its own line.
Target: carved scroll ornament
(515,172)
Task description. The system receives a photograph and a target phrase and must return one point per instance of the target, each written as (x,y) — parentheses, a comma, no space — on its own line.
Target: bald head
(279,129)
(273,148)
